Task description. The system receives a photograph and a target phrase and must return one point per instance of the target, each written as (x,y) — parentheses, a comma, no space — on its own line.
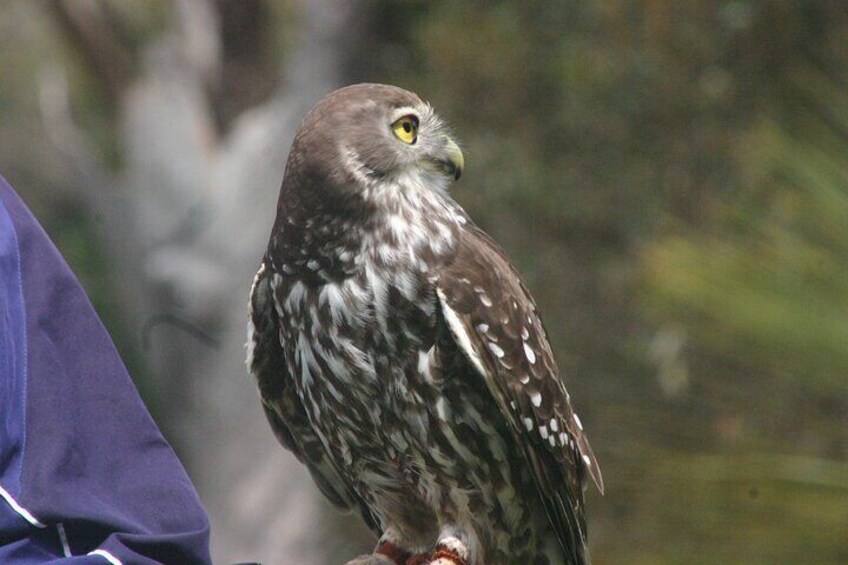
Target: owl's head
(367,138)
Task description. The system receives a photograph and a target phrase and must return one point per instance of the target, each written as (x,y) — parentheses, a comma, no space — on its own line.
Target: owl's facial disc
(421,141)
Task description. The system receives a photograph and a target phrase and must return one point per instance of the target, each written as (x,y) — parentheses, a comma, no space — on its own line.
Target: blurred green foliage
(769,286)
(764,291)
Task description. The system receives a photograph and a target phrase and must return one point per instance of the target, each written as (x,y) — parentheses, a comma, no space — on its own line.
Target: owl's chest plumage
(358,323)
(352,346)
(400,411)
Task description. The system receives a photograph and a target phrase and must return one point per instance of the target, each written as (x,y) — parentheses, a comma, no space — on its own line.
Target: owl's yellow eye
(406,129)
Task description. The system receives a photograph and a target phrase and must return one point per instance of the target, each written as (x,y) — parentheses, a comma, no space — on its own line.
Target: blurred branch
(199,23)
(92,31)
(243,74)
(56,112)
(179,323)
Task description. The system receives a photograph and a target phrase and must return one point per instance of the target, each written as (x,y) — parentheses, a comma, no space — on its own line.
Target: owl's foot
(449,551)
(393,553)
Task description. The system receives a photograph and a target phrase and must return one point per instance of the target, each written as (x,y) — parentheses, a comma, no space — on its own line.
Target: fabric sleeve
(85,474)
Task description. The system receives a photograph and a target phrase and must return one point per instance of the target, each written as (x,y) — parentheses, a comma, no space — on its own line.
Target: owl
(399,355)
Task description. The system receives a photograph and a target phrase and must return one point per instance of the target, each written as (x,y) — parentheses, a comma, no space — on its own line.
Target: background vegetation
(671,178)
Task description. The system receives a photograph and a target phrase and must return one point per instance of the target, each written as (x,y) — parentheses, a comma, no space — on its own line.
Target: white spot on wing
(578,422)
(536,399)
(528,423)
(495,349)
(458,330)
(531,355)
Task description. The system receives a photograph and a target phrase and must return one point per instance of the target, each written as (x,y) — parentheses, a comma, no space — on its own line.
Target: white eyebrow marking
(398,113)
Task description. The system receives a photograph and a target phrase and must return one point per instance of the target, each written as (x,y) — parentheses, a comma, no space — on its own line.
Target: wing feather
(493,320)
(282,405)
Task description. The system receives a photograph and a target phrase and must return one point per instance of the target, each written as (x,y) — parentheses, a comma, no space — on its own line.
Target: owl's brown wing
(281,403)
(493,320)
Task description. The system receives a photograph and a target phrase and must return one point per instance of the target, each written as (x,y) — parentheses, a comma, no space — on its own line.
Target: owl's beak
(455,161)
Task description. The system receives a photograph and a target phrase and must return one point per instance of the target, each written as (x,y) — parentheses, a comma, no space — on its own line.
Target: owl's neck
(412,224)
(401,224)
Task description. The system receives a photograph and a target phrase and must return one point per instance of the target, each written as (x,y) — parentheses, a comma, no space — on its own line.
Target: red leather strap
(393,552)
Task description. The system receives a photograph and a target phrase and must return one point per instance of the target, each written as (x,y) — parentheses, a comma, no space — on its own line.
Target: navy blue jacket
(85,475)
